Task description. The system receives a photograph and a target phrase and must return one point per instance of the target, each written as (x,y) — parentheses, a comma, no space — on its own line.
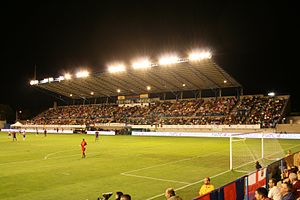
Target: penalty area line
(152,178)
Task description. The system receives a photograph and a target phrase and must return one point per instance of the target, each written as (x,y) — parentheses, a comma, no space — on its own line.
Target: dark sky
(256,42)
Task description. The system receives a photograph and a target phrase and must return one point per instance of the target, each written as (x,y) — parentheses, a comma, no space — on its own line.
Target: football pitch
(52,168)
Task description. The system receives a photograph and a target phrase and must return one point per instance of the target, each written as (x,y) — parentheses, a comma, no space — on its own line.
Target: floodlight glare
(197,55)
(71,95)
(141,64)
(183,85)
(116,68)
(34,82)
(148,87)
(225,81)
(68,76)
(92,93)
(45,80)
(61,78)
(50,79)
(118,90)
(271,94)
(167,60)
(82,74)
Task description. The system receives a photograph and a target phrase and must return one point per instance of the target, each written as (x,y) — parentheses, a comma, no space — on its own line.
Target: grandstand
(141,97)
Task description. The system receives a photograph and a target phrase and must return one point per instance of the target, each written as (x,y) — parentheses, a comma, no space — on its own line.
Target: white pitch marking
(176,161)
(152,178)
(50,154)
(188,185)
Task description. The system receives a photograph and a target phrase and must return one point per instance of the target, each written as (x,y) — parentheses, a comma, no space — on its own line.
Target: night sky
(257,43)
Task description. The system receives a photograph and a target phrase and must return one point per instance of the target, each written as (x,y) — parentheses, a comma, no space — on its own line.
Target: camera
(105,196)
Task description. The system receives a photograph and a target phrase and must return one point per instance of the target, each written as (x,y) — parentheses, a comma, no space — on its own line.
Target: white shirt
(274,193)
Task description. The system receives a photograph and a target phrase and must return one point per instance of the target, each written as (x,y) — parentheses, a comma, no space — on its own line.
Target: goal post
(247,148)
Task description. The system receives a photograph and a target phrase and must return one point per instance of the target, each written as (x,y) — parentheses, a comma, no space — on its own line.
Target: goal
(247,148)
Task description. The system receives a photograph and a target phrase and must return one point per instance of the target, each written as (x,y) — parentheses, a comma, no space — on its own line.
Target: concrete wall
(289,128)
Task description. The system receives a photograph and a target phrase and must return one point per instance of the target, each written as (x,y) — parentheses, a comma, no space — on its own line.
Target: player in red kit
(83,144)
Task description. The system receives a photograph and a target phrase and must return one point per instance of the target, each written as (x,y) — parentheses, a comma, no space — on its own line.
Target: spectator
(257,166)
(274,191)
(206,187)
(295,184)
(286,191)
(170,194)
(125,197)
(118,195)
(261,193)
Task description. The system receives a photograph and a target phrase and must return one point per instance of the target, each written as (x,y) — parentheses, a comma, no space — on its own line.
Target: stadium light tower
(18,112)
(116,68)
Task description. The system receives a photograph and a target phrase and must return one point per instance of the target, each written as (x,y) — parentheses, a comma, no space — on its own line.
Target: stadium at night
(161,125)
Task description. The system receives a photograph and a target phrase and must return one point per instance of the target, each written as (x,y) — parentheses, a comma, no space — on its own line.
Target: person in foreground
(261,193)
(170,194)
(206,187)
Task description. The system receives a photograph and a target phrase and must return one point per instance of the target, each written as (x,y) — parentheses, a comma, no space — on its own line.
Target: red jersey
(83,144)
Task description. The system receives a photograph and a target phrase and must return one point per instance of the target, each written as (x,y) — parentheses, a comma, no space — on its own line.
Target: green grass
(52,168)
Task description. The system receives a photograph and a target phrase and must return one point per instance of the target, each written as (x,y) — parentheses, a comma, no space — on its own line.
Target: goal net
(248,148)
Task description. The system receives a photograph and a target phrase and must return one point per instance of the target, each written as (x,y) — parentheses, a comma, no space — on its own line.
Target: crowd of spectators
(265,111)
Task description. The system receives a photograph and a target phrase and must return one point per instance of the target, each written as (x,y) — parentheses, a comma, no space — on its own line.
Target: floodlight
(141,64)
(183,85)
(61,78)
(148,87)
(225,81)
(92,93)
(34,82)
(82,74)
(45,80)
(71,95)
(271,94)
(68,76)
(197,55)
(167,60)
(50,79)
(116,68)
(118,90)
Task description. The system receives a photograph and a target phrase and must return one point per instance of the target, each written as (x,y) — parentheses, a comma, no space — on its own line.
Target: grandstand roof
(183,76)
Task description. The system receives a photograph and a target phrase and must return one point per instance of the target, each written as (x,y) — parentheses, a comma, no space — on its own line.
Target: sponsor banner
(216,134)
(102,132)
(39,130)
